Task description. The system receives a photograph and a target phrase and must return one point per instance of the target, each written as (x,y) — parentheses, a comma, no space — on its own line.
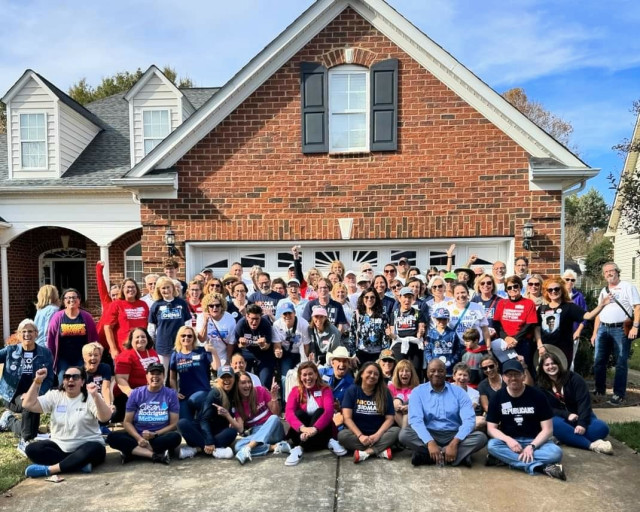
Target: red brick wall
(454,174)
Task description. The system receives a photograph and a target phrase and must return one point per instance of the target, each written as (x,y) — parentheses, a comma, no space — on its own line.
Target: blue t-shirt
(365,415)
(152,409)
(168,317)
(193,370)
(252,350)
(102,373)
(267,302)
(334,309)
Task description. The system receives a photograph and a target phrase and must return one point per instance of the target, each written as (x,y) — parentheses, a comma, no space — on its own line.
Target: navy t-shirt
(168,317)
(334,311)
(252,350)
(102,373)
(192,369)
(365,415)
(519,416)
(267,302)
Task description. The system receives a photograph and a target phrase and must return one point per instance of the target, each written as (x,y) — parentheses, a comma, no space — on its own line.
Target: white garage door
(275,257)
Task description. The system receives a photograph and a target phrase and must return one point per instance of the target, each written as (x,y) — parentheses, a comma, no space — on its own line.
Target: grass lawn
(12,464)
(628,433)
(634,361)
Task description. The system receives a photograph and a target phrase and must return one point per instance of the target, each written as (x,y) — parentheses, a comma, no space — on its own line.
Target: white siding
(154,95)
(76,133)
(32,98)
(625,248)
(187,110)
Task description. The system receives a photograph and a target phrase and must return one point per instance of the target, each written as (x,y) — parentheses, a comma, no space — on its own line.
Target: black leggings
(48,453)
(317,442)
(125,443)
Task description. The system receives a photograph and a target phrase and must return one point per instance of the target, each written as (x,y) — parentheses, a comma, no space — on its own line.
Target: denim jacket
(11,356)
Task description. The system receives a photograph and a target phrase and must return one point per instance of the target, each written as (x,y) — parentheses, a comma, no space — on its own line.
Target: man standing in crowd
(609,332)
(521,268)
(265,297)
(499,272)
(150,284)
(237,270)
(334,309)
(171,271)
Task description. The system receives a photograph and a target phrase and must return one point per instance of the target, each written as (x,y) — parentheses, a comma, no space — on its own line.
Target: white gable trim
(390,23)
(153,70)
(26,76)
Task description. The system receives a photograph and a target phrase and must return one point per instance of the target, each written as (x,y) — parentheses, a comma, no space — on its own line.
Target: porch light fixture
(527,235)
(170,240)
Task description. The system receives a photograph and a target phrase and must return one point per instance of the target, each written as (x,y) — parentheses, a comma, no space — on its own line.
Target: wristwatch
(533,446)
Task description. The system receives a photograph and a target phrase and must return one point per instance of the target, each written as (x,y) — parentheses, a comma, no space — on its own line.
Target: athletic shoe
(420,459)
(359,456)
(601,446)
(125,458)
(22,447)
(467,461)
(86,469)
(36,471)
(223,453)
(616,400)
(493,461)
(336,448)
(386,454)
(162,458)
(282,447)
(4,421)
(555,471)
(187,452)
(294,457)
(244,454)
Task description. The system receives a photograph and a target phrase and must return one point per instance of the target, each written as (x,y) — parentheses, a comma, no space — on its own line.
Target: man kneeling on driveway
(441,422)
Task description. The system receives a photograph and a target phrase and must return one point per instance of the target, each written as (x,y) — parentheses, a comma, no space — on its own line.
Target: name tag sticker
(317,394)
(506,405)
(196,357)
(61,408)
(326,378)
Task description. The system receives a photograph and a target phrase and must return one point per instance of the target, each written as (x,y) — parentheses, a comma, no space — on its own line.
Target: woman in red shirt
(125,313)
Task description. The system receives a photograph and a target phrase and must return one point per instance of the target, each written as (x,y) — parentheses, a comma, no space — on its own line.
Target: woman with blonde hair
(217,326)
(48,304)
(403,381)
(534,290)
(340,293)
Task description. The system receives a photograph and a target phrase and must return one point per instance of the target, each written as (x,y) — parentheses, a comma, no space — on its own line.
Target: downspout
(565,194)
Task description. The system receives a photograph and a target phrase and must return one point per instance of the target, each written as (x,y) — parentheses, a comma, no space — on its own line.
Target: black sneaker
(467,461)
(493,461)
(616,400)
(555,471)
(163,458)
(124,459)
(420,459)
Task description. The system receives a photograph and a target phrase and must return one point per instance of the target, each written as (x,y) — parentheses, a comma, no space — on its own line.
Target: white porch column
(104,256)
(6,327)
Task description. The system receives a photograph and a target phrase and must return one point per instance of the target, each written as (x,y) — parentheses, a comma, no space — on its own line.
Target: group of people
(310,362)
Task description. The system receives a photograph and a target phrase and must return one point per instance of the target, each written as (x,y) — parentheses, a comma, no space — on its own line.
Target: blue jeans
(564,432)
(192,405)
(608,339)
(270,432)
(546,454)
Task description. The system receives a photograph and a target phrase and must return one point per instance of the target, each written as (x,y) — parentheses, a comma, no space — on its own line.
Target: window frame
(44,141)
(159,139)
(350,69)
(127,259)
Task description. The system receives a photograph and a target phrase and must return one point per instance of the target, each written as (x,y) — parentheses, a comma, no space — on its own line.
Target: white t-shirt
(627,295)
(73,422)
(475,318)
(473,395)
(301,336)
(216,331)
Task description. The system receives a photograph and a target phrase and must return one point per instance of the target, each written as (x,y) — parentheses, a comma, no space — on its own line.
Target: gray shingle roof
(107,156)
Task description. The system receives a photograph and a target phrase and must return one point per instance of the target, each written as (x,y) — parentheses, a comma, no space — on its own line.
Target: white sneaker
(359,456)
(335,447)
(294,457)
(282,447)
(244,454)
(4,421)
(602,446)
(223,453)
(22,447)
(187,452)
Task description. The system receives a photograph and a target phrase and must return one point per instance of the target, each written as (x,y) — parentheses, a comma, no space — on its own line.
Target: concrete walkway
(323,483)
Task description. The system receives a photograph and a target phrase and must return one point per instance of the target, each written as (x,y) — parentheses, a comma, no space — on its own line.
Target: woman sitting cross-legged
(310,413)
(214,429)
(76,443)
(150,421)
(369,416)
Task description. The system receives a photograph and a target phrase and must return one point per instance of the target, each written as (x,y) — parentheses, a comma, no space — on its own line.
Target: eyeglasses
(437,286)
(71,376)
(368,270)
(74,297)
(553,290)
(486,283)
(533,284)
(513,287)
(569,280)
(369,297)
(488,367)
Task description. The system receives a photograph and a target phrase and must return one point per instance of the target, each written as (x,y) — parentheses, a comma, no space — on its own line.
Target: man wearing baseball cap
(519,421)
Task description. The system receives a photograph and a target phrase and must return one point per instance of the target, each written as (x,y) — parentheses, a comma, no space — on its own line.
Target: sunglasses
(437,286)
(488,367)
(369,297)
(513,287)
(533,284)
(396,287)
(187,336)
(569,280)
(486,283)
(214,306)
(389,270)
(71,376)
(215,285)
(553,290)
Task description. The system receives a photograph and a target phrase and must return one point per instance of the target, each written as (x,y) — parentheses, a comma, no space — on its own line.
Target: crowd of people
(441,363)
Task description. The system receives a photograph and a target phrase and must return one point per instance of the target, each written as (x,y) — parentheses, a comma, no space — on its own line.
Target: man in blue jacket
(20,364)
(339,379)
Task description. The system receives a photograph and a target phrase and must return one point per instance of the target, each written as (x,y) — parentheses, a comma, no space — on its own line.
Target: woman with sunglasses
(213,285)
(368,333)
(492,383)
(534,290)
(485,288)
(515,320)
(69,330)
(217,326)
(559,315)
(190,371)
(438,300)
(76,443)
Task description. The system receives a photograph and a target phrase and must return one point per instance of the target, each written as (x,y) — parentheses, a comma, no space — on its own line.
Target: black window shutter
(315,111)
(384,105)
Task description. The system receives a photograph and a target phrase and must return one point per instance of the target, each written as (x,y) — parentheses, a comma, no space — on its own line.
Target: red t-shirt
(123,316)
(134,363)
(514,315)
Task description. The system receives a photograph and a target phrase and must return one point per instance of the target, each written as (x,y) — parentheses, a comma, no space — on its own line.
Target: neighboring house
(352,134)
(626,248)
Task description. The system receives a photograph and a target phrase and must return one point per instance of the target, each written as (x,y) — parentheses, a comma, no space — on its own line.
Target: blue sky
(580,59)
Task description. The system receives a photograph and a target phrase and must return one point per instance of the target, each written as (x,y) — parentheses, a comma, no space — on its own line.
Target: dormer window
(33,141)
(156,126)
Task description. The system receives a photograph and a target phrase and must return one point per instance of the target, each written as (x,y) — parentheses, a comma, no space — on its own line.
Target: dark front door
(70,274)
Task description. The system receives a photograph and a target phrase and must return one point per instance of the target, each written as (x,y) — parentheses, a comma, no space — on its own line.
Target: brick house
(352,134)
